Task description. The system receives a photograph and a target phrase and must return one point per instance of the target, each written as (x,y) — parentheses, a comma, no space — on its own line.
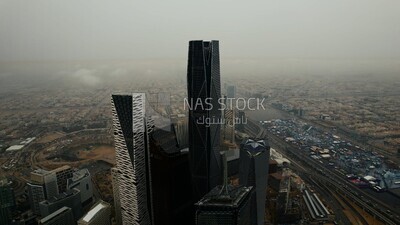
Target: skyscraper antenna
(224,189)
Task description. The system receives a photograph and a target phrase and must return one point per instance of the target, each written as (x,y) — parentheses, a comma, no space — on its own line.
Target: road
(329,177)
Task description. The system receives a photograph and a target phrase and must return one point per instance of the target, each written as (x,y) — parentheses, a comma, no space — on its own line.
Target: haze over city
(91,89)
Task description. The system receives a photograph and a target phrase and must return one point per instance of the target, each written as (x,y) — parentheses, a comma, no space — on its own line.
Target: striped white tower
(131,129)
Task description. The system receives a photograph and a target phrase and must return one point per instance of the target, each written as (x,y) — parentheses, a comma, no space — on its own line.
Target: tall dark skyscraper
(171,182)
(225,204)
(254,158)
(203,78)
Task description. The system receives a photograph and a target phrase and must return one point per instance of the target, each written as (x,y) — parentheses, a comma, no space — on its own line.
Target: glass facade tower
(203,77)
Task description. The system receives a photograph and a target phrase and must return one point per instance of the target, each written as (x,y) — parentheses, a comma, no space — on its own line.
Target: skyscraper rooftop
(254,158)
(234,198)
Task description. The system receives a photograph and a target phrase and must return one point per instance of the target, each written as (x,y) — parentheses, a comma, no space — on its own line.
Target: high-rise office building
(181,130)
(50,184)
(131,135)
(230,114)
(225,204)
(254,158)
(172,190)
(62,216)
(45,184)
(229,125)
(242,117)
(204,86)
(36,195)
(70,198)
(7,202)
(231,91)
(82,181)
(99,214)
(47,179)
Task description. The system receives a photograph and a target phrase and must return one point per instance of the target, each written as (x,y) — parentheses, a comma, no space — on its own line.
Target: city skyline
(334,155)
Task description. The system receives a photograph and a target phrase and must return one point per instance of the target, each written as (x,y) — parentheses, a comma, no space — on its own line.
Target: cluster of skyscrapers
(161,178)
(165,175)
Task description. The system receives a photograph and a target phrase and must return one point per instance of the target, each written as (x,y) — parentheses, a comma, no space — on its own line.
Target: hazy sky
(146,29)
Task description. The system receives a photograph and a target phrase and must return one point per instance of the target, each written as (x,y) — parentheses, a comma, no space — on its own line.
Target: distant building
(82,181)
(274,180)
(282,204)
(230,114)
(181,129)
(240,126)
(233,158)
(46,184)
(15,148)
(204,82)
(278,158)
(42,185)
(36,193)
(7,202)
(50,184)
(254,158)
(63,174)
(229,125)
(99,214)
(272,166)
(231,91)
(47,179)
(225,204)
(171,180)
(25,218)
(131,135)
(301,112)
(70,198)
(325,116)
(62,216)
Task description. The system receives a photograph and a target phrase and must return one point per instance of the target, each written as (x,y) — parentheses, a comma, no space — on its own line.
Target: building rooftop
(232,154)
(235,196)
(167,141)
(255,146)
(99,206)
(277,175)
(271,161)
(40,172)
(54,214)
(3,181)
(62,196)
(14,148)
(79,175)
(65,167)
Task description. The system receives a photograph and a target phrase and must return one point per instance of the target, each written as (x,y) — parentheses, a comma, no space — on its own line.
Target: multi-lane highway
(329,177)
